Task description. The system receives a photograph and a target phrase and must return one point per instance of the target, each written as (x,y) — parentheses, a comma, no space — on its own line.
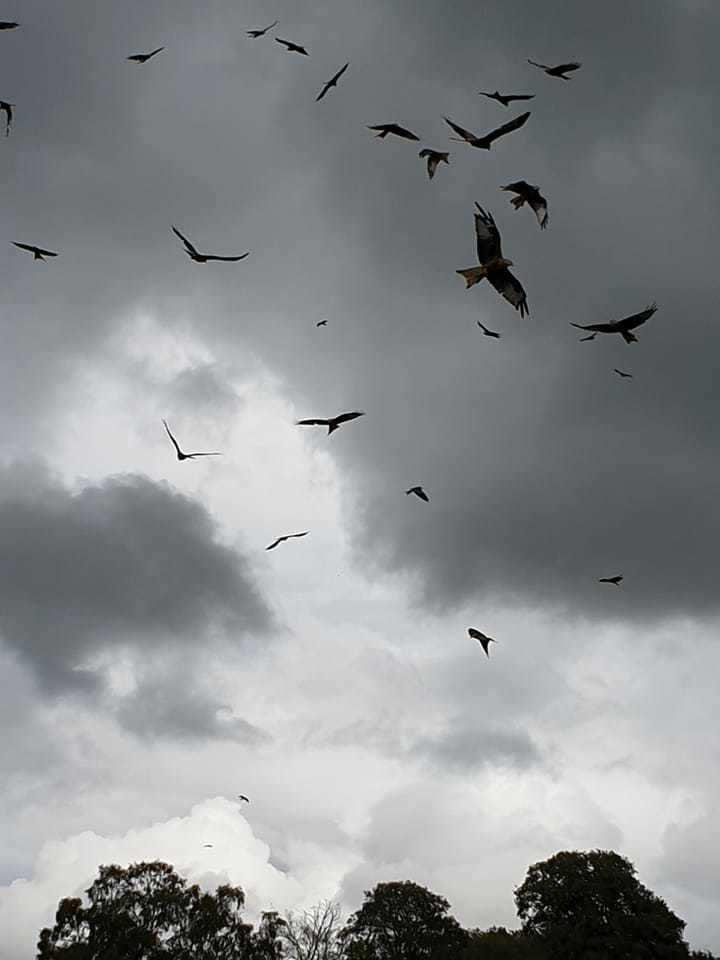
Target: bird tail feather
(472,275)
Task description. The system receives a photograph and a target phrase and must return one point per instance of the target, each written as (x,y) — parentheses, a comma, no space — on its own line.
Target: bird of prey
(261,33)
(621,373)
(186,456)
(193,253)
(37,252)
(419,492)
(484,143)
(395,128)
(144,57)
(7,110)
(484,641)
(434,158)
(332,423)
(623,327)
(614,580)
(207,844)
(241,796)
(292,47)
(332,82)
(321,323)
(527,193)
(488,333)
(559,71)
(492,263)
(288,536)
(507,98)
(8,24)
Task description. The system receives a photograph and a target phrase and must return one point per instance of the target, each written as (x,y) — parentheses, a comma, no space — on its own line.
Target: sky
(156,659)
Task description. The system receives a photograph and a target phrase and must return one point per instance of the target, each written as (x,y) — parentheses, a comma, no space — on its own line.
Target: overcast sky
(156,661)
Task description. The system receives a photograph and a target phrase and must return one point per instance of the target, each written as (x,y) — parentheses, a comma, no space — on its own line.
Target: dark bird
(621,373)
(527,193)
(434,158)
(261,33)
(484,143)
(395,128)
(7,110)
(614,580)
(332,82)
(484,641)
(559,71)
(186,456)
(8,24)
(333,422)
(37,252)
(492,263)
(488,333)
(275,543)
(144,57)
(507,98)
(292,47)
(623,327)
(241,796)
(207,844)
(204,257)
(419,492)
(321,323)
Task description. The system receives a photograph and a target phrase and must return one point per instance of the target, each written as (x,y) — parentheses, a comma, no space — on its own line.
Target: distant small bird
(492,263)
(332,423)
(419,492)
(488,333)
(614,580)
(507,99)
(623,327)
(186,456)
(527,193)
(559,71)
(394,128)
(321,323)
(37,252)
(144,57)
(434,158)
(332,82)
(8,24)
(7,110)
(288,536)
(261,33)
(207,844)
(484,641)
(292,47)
(621,373)
(193,253)
(241,796)
(484,143)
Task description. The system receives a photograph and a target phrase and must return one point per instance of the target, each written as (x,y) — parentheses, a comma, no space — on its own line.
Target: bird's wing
(276,543)
(340,72)
(174,441)
(543,66)
(227,259)
(520,96)
(32,249)
(188,246)
(155,51)
(637,319)
(566,67)
(344,417)
(285,43)
(538,204)
(324,90)
(294,536)
(487,236)
(464,134)
(597,327)
(510,287)
(517,186)
(215,454)
(139,57)
(312,423)
(423,496)
(508,127)
(402,131)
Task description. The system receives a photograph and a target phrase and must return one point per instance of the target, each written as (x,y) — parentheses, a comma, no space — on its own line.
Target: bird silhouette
(7,110)
(241,796)
(614,580)
(207,844)
(332,423)
(288,536)
(394,128)
(492,263)
(419,492)
(261,33)
(292,47)
(621,373)
(193,253)
(332,82)
(484,143)
(434,158)
(559,71)
(8,24)
(186,456)
(527,193)
(623,327)
(321,323)
(484,641)
(37,252)
(144,57)
(488,333)
(507,99)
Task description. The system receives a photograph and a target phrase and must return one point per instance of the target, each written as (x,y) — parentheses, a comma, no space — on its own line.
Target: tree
(313,934)
(402,921)
(497,943)
(589,906)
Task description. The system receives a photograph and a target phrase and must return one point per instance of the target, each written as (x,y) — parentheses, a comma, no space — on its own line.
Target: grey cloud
(464,749)
(204,388)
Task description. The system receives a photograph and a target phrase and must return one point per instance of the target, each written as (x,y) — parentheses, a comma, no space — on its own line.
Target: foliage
(497,943)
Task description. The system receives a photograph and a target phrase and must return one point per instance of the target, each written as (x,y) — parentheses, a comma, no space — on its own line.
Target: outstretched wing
(543,66)
(487,236)
(538,204)
(508,127)
(344,417)
(461,131)
(520,96)
(510,287)
(188,246)
(566,67)
(312,423)
(637,319)
(28,246)
(596,327)
(276,543)
(172,438)
(285,43)
(228,259)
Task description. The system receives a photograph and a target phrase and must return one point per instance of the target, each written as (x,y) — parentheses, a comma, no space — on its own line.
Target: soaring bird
(207,844)
(261,33)
(559,71)
(507,98)
(484,143)
(7,110)
(395,128)
(321,323)
(621,373)
(186,456)
(37,252)
(8,24)
(288,536)
(204,257)
(488,333)
(292,47)
(419,492)
(332,423)
(434,158)
(614,580)
(527,193)
(144,57)
(484,641)
(623,327)
(332,82)
(241,796)
(492,263)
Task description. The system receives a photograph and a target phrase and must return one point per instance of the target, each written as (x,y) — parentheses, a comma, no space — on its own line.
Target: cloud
(469,748)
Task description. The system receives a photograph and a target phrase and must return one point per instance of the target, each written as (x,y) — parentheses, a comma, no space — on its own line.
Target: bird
(507,98)
(527,193)
(207,844)
(288,536)
(492,263)
(332,423)
(7,110)
(8,24)
(419,492)
(559,71)
(204,257)
(484,641)
(241,796)
(434,158)
(484,143)
(621,373)
(395,128)
(623,327)
(292,47)
(261,33)
(332,82)
(614,580)
(37,252)
(321,323)
(488,333)
(186,456)
(144,57)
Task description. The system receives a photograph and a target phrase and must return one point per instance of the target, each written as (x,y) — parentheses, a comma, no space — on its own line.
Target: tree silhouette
(497,943)
(313,934)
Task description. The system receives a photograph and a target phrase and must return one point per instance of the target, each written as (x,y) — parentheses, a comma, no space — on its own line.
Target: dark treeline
(574,906)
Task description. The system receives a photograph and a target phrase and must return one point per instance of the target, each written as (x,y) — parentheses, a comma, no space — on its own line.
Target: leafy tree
(497,943)
(313,934)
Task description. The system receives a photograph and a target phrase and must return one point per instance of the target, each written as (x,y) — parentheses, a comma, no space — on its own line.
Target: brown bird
(332,82)
(288,536)
(419,492)
(292,47)
(186,456)
(332,423)
(484,641)
(623,327)
(261,33)
(507,99)
(614,580)
(527,193)
(434,158)
(559,71)
(492,263)
(8,24)
(7,110)
(204,257)
(484,143)
(144,57)
(394,128)
(621,373)
(37,252)
(488,333)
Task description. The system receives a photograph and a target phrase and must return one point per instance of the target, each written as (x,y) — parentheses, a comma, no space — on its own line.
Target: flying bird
(7,110)
(621,373)
(321,323)
(488,333)
(193,253)
(527,193)
(186,456)
(261,33)
(484,143)
(623,327)
(332,82)
(484,641)
(292,47)
(492,263)
(275,543)
(144,57)
(241,796)
(507,98)
(419,492)
(332,423)
(614,580)
(8,24)
(434,158)
(559,71)
(394,128)
(37,252)
(207,844)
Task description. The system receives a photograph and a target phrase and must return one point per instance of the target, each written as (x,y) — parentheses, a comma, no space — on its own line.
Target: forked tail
(472,275)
